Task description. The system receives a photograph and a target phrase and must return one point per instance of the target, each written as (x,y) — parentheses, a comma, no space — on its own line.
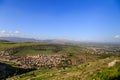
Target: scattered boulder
(111,64)
(41,61)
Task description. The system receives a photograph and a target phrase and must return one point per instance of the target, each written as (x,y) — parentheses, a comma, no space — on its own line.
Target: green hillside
(97,70)
(87,63)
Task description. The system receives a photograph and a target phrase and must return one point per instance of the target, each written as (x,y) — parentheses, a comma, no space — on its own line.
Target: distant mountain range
(19,39)
(56,41)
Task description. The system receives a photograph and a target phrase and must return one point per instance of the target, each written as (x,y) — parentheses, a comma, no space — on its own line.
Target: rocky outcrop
(111,64)
(42,61)
(8,52)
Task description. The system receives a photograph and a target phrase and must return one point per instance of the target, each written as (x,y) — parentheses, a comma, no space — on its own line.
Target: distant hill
(18,39)
(57,41)
(4,41)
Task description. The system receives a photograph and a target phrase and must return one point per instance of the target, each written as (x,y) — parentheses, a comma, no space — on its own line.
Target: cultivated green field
(7,45)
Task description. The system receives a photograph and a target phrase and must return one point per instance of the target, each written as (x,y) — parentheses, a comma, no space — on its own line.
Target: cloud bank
(16,33)
(117,36)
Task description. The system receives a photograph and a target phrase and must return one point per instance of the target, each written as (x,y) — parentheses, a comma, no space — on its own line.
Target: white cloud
(4,33)
(16,32)
(117,36)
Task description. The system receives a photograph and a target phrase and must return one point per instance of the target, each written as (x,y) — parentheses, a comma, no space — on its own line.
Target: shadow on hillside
(116,78)
(7,71)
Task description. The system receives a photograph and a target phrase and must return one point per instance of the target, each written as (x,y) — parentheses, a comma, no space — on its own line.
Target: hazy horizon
(79,20)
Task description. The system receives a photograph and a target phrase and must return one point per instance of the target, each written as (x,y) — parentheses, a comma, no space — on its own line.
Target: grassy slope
(33,52)
(86,71)
(7,45)
(61,49)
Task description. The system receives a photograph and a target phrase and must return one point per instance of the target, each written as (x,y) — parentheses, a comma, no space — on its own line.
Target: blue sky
(83,20)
